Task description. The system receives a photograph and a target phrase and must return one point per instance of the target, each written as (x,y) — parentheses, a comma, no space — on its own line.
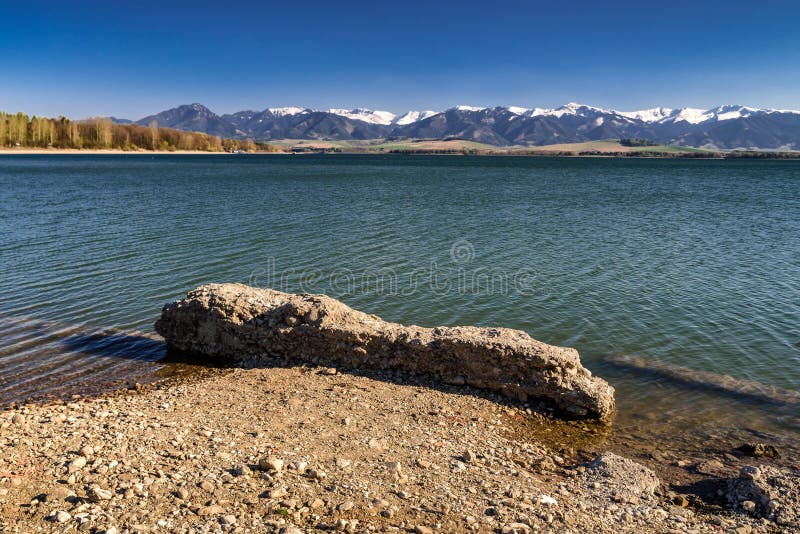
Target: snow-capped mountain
(724,127)
(413,116)
(291,110)
(366,115)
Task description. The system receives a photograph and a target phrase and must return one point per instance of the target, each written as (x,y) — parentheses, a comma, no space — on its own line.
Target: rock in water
(248,325)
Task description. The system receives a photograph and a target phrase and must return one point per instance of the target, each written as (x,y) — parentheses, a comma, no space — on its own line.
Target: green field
(455,146)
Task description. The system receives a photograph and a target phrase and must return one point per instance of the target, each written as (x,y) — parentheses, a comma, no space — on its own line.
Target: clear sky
(130,59)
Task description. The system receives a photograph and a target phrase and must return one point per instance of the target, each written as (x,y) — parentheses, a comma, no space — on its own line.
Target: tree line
(20,130)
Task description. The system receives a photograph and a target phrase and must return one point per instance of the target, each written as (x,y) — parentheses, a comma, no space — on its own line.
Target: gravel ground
(307,449)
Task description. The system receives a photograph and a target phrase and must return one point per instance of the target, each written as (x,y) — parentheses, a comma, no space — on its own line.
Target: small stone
(271,464)
(758,449)
(77,464)
(97,494)
(546,500)
(516,528)
(213,509)
(680,500)
(111,530)
(316,474)
(749,506)
(750,472)
(329,371)
(394,467)
(61,516)
(277,493)
(316,503)
(60,493)
(468,456)
(207,485)
(342,463)
(228,520)
(347,506)
(182,494)
(340,524)
(421,529)
(376,444)
(87,451)
(18,419)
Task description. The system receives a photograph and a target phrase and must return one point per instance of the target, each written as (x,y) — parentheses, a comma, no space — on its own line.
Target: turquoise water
(690,263)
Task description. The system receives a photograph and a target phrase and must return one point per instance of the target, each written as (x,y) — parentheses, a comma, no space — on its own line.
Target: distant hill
(193,118)
(724,127)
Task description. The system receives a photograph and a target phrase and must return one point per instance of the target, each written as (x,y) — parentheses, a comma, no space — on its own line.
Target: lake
(677,280)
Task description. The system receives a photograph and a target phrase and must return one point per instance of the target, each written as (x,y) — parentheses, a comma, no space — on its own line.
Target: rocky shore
(294,446)
(306,449)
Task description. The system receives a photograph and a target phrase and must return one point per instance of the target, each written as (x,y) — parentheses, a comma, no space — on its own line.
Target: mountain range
(723,127)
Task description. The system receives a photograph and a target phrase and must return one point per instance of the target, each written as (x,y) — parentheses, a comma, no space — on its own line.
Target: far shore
(95,152)
(552,151)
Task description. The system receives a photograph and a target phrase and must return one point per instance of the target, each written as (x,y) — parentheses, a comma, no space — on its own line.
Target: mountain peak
(365,115)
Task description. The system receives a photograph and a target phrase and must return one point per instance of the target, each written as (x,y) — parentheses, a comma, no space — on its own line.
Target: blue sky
(134,58)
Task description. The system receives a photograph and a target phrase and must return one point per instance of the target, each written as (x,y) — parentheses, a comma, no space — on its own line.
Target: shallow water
(690,263)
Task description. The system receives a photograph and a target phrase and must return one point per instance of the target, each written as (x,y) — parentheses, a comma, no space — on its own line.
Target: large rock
(233,321)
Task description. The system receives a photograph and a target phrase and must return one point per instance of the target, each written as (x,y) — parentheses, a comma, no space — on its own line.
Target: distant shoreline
(97,152)
(515,152)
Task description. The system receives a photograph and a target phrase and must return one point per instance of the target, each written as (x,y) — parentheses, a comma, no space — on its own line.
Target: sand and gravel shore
(294,449)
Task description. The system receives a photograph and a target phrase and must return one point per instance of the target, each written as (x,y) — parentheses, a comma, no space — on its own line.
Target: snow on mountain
(468,108)
(573,108)
(516,110)
(413,116)
(649,115)
(366,115)
(697,116)
(291,110)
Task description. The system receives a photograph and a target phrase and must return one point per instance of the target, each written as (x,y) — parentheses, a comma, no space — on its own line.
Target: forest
(21,131)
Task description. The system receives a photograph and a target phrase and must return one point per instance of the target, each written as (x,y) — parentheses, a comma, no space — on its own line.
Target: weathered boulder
(768,492)
(234,321)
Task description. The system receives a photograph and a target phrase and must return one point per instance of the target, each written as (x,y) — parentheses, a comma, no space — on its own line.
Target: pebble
(207,485)
(61,516)
(468,456)
(680,500)
(748,506)
(749,472)
(60,493)
(271,464)
(228,520)
(546,500)
(516,528)
(99,494)
(77,464)
(213,509)
(394,467)
(421,529)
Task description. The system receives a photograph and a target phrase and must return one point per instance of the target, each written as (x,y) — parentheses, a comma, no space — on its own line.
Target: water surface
(689,263)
